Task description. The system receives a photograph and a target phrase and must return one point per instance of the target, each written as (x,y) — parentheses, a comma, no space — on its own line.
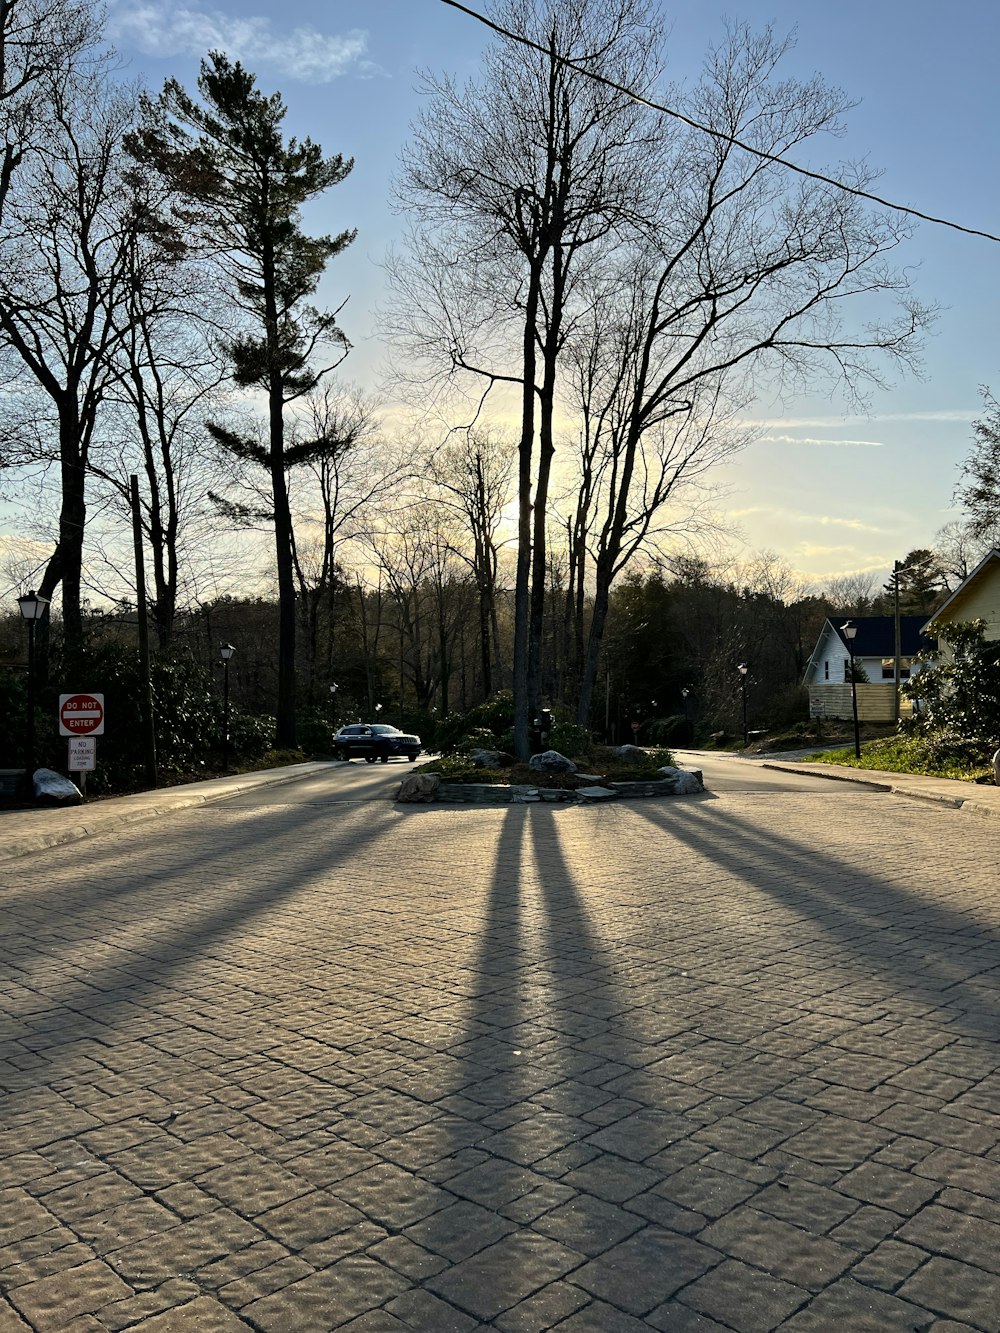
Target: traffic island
(429,788)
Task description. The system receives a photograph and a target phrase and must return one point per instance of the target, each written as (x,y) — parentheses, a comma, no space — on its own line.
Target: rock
(551,761)
(592,778)
(996,768)
(490,759)
(522,795)
(685,781)
(51,788)
(631,752)
(595,793)
(418,788)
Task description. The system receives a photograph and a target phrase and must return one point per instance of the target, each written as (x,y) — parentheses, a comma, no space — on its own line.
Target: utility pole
(146,701)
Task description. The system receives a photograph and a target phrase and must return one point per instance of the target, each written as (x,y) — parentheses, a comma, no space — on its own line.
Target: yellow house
(977,598)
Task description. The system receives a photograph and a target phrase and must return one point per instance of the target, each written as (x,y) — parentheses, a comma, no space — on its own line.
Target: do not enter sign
(81,715)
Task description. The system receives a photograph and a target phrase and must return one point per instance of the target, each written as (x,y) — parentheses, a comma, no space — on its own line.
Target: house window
(847,670)
(826,670)
(889,668)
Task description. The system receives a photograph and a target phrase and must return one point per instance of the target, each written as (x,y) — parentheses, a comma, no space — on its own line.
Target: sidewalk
(967,796)
(23,832)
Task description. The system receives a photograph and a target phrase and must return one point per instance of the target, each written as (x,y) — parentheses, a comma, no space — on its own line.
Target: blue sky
(832,493)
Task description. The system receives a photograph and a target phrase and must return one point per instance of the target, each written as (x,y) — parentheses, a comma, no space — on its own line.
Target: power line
(719,134)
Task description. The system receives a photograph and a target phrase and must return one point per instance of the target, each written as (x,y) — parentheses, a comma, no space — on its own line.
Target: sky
(830,491)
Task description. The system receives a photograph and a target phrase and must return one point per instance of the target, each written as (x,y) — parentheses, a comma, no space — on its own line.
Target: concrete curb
(945,791)
(123,811)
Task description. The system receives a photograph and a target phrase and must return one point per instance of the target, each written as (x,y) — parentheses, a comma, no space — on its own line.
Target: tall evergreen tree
(241,187)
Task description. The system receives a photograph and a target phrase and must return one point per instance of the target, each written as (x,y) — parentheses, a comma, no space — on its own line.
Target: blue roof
(876,636)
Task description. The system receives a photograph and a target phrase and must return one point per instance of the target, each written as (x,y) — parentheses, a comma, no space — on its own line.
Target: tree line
(587,299)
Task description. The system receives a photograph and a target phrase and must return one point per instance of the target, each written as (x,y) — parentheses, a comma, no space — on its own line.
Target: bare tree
(472,476)
(853,594)
(42,46)
(744,280)
(510,182)
(69,229)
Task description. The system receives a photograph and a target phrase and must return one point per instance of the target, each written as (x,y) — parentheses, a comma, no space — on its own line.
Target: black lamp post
(849,631)
(742,669)
(226,651)
(685,691)
(334,687)
(32,608)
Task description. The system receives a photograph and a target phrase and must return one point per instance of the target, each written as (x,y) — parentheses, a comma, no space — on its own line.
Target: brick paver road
(678,1065)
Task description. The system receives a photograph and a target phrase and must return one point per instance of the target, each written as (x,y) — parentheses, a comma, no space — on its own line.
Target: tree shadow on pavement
(894,940)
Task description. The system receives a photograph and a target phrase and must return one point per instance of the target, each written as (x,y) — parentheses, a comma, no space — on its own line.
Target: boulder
(685,781)
(490,759)
(551,761)
(418,788)
(996,768)
(52,788)
(632,753)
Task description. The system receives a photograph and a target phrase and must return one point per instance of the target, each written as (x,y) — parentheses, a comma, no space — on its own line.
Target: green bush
(663,730)
(312,731)
(959,697)
(573,741)
(489,724)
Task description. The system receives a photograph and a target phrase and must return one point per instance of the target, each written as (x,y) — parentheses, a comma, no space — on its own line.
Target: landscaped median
(489,777)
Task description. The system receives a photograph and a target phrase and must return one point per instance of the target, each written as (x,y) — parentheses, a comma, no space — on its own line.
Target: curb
(118,819)
(951,801)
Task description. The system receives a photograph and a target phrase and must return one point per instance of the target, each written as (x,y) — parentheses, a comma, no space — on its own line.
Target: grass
(602,763)
(908,754)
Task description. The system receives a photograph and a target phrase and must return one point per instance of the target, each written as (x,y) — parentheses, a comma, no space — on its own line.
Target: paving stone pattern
(684,1066)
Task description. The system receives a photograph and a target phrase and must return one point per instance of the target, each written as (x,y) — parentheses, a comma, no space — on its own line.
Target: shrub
(312,731)
(573,741)
(960,697)
(486,725)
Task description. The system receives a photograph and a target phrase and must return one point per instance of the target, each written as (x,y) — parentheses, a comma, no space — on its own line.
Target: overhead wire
(720,134)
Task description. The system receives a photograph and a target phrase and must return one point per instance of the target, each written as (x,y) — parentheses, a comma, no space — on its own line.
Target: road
(304,1060)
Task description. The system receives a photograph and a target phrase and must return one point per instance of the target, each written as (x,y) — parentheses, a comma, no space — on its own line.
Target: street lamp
(742,669)
(32,608)
(849,631)
(378,709)
(334,687)
(226,651)
(685,691)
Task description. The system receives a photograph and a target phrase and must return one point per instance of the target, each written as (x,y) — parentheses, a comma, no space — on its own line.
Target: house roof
(876,636)
(983,569)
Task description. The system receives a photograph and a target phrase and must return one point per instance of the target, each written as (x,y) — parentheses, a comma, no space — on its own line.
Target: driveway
(313,1063)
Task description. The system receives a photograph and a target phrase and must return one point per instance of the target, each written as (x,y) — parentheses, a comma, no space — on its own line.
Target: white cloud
(832,423)
(158,29)
(807,439)
(813,520)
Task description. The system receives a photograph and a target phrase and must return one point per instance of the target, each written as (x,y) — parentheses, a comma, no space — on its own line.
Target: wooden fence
(874,702)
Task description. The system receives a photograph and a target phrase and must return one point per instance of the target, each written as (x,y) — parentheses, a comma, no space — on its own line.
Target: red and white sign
(81,715)
(82,754)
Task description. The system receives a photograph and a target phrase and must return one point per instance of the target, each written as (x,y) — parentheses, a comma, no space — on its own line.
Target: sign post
(81,718)
(81,715)
(82,758)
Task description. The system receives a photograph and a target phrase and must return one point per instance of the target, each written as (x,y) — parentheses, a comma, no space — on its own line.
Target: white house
(828,675)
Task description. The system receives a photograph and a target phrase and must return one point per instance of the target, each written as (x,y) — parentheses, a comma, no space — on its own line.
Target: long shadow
(572,1139)
(883,930)
(140,967)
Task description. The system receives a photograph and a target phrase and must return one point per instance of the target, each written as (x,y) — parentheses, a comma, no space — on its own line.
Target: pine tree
(240,189)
